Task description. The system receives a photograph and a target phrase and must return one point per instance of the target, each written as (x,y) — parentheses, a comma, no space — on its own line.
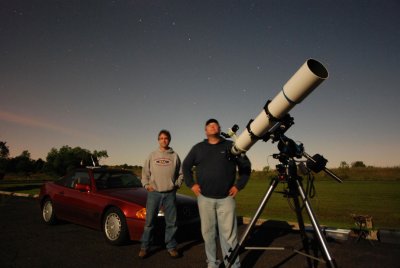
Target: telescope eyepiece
(231,132)
(235,128)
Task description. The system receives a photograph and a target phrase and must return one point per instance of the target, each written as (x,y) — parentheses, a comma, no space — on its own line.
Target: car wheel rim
(47,211)
(112,226)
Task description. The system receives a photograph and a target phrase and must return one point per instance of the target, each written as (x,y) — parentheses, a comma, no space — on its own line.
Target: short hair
(165,132)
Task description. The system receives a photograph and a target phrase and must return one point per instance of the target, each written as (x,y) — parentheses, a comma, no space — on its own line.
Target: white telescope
(303,82)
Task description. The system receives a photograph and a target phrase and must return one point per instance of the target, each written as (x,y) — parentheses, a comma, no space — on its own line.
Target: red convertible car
(111,200)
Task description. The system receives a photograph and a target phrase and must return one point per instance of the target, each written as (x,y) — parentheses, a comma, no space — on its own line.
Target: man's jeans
(218,216)
(154,201)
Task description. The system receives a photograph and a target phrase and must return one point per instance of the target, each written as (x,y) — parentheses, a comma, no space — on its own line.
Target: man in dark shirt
(216,187)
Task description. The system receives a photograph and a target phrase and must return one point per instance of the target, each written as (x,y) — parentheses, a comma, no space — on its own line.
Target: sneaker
(173,253)
(142,253)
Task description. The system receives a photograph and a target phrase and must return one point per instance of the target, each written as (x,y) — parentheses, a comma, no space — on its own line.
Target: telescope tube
(303,82)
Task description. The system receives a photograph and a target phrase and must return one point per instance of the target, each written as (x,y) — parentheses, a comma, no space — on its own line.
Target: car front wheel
(48,212)
(115,228)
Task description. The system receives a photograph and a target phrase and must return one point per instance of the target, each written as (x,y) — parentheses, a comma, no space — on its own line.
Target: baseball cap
(212,120)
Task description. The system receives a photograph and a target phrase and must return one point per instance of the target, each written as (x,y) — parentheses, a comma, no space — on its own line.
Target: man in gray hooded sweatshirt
(161,176)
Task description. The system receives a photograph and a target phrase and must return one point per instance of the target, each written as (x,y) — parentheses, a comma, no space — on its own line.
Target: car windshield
(116,179)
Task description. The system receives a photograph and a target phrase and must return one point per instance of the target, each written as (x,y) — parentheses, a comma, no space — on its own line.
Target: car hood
(133,195)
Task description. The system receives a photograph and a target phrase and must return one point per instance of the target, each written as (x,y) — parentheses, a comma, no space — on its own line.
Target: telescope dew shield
(303,82)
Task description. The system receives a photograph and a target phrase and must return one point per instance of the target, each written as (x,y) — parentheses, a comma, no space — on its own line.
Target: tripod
(288,174)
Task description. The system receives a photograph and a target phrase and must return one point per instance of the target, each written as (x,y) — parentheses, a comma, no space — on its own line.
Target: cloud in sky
(42,124)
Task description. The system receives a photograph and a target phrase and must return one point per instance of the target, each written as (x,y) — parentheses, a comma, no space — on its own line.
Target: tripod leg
(303,235)
(317,229)
(235,252)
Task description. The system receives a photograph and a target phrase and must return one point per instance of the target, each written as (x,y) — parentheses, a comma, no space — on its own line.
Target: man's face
(212,129)
(163,140)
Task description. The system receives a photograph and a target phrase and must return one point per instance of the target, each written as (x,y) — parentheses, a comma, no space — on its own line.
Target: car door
(84,207)
(60,199)
(74,201)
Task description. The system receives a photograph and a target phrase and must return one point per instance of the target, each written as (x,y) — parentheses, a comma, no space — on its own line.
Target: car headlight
(141,214)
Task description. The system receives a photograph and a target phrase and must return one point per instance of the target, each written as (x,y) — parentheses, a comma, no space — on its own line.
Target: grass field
(333,203)
(371,191)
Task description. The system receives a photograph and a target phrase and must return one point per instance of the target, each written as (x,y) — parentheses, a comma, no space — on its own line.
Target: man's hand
(149,188)
(196,189)
(233,191)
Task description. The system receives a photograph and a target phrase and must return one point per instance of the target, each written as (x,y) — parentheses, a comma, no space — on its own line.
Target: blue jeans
(154,201)
(218,216)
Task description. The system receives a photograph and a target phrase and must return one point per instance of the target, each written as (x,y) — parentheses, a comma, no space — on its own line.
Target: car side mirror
(82,187)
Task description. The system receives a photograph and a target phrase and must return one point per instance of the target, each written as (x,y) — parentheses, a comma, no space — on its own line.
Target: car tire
(115,229)
(48,212)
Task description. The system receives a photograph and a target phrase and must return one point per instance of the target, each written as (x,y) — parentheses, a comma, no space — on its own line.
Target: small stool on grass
(364,227)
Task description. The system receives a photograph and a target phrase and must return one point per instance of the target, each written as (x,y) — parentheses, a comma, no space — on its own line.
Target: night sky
(108,75)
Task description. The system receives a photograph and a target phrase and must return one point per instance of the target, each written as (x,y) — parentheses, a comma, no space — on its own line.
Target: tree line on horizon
(60,161)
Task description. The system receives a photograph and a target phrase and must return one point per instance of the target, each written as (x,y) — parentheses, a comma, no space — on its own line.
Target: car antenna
(94,164)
